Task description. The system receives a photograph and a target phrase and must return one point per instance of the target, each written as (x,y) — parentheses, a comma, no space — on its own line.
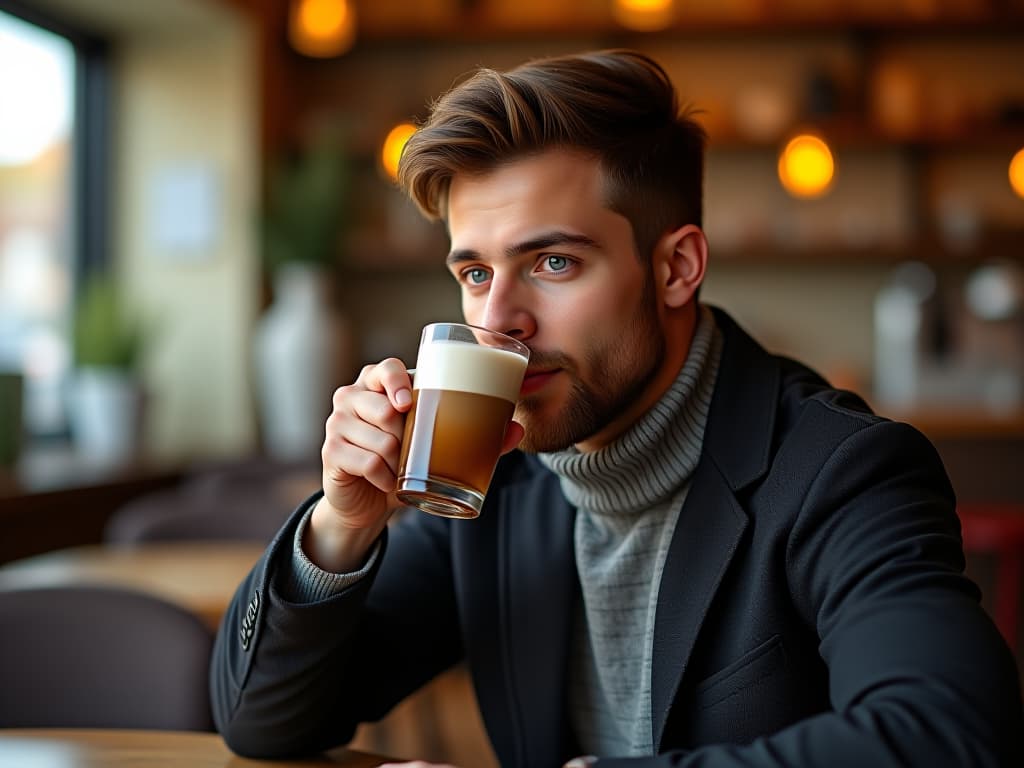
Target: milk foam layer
(464,367)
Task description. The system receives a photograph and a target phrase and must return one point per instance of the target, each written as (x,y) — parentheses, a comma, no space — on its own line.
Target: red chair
(997,531)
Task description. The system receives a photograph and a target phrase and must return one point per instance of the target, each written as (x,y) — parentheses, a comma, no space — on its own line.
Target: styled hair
(617,105)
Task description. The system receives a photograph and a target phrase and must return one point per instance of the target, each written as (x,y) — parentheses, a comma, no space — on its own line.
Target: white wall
(186,112)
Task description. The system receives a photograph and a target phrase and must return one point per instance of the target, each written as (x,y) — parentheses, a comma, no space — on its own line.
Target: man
(703,555)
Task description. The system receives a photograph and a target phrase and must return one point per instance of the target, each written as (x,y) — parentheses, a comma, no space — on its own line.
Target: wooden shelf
(929,248)
(855,133)
(478,27)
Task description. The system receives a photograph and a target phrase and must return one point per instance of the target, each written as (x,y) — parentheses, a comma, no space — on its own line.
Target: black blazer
(812,609)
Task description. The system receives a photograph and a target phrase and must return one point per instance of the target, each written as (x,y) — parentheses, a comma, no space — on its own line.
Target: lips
(535,380)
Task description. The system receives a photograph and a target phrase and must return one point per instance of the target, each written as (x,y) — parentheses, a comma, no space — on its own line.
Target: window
(52,201)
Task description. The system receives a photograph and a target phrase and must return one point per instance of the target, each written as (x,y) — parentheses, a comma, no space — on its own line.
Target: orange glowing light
(393,146)
(643,15)
(806,166)
(1017,173)
(322,28)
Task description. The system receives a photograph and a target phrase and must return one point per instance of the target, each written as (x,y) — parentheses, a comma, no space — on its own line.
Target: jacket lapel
(518,585)
(538,566)
(736,452)
(705,540)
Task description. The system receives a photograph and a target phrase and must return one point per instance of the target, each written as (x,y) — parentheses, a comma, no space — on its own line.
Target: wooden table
(203,577)
(103,748)
(198,575)
(54,510)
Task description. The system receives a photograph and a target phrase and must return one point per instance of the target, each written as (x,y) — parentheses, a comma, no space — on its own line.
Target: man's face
(539,256)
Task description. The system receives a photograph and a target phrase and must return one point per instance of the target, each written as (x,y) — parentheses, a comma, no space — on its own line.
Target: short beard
(592,405)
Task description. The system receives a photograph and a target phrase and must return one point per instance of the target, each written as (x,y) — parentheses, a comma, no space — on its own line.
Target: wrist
(334,546)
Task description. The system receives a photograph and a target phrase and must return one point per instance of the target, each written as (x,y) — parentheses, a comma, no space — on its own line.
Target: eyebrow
(540,242)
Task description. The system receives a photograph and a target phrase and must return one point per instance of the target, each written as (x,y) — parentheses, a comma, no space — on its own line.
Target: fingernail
(403,397)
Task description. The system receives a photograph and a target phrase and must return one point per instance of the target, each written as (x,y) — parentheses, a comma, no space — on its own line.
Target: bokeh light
(322,28)
(393,146)
(643,15)
(806,167)
(1017,173)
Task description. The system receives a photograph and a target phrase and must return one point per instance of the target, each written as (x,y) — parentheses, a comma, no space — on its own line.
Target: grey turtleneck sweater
(628,496)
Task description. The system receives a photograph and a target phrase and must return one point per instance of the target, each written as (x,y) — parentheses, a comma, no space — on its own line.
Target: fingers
(391,378)
(363,438)
(364,435)
(347,461)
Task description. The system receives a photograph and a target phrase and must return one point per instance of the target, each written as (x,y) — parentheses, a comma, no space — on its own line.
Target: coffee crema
(454,365)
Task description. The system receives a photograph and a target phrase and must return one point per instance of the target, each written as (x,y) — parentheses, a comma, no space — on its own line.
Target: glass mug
(465,387)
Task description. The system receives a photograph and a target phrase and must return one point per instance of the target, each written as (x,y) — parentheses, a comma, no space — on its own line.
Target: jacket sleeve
(918,673)
(290,679)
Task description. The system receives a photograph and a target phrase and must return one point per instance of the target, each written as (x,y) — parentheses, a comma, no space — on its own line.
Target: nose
(507,309)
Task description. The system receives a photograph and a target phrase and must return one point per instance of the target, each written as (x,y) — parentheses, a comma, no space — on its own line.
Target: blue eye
(556,263)
(476,276)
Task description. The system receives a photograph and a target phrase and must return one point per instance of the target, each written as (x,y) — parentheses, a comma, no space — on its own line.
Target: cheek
(576,328)
(598,312)
(472,309)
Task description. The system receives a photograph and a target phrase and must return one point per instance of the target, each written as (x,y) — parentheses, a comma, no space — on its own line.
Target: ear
(681,260)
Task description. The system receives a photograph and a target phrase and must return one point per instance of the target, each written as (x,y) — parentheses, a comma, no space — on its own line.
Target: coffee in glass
(465,388)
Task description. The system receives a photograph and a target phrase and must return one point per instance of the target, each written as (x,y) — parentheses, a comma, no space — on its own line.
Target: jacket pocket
(750,671)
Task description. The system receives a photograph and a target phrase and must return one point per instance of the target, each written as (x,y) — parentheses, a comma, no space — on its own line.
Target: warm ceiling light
(393,146)
(1017,173)
(322,28)
(643,15)
(806,166)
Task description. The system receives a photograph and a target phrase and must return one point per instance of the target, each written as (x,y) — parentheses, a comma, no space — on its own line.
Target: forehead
(555,188)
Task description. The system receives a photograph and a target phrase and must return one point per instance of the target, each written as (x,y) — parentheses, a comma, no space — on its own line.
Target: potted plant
(301,341)
(106,403)
(306,205)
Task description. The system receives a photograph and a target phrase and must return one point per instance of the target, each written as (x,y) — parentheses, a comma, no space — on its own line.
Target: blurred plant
(306,206)
(104,334)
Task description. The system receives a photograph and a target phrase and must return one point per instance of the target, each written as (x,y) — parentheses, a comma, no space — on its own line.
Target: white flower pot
(300,349)
(106,415)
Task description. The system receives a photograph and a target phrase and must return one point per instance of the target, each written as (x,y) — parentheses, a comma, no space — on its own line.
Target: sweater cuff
(305,582)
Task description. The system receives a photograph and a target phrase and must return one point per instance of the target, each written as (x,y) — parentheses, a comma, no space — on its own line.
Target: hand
(578,762)
(362,444)
(360,464)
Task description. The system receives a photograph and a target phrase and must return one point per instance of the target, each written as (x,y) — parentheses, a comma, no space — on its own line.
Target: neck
(679,327)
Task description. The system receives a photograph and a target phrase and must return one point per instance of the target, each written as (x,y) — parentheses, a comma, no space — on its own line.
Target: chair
(101,657)
(997,531)
(246,502)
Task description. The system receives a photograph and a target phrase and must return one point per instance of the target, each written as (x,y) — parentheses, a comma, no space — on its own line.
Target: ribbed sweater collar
(655,457)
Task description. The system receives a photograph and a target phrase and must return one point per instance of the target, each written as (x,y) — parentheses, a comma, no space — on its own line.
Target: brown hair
(617,105)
